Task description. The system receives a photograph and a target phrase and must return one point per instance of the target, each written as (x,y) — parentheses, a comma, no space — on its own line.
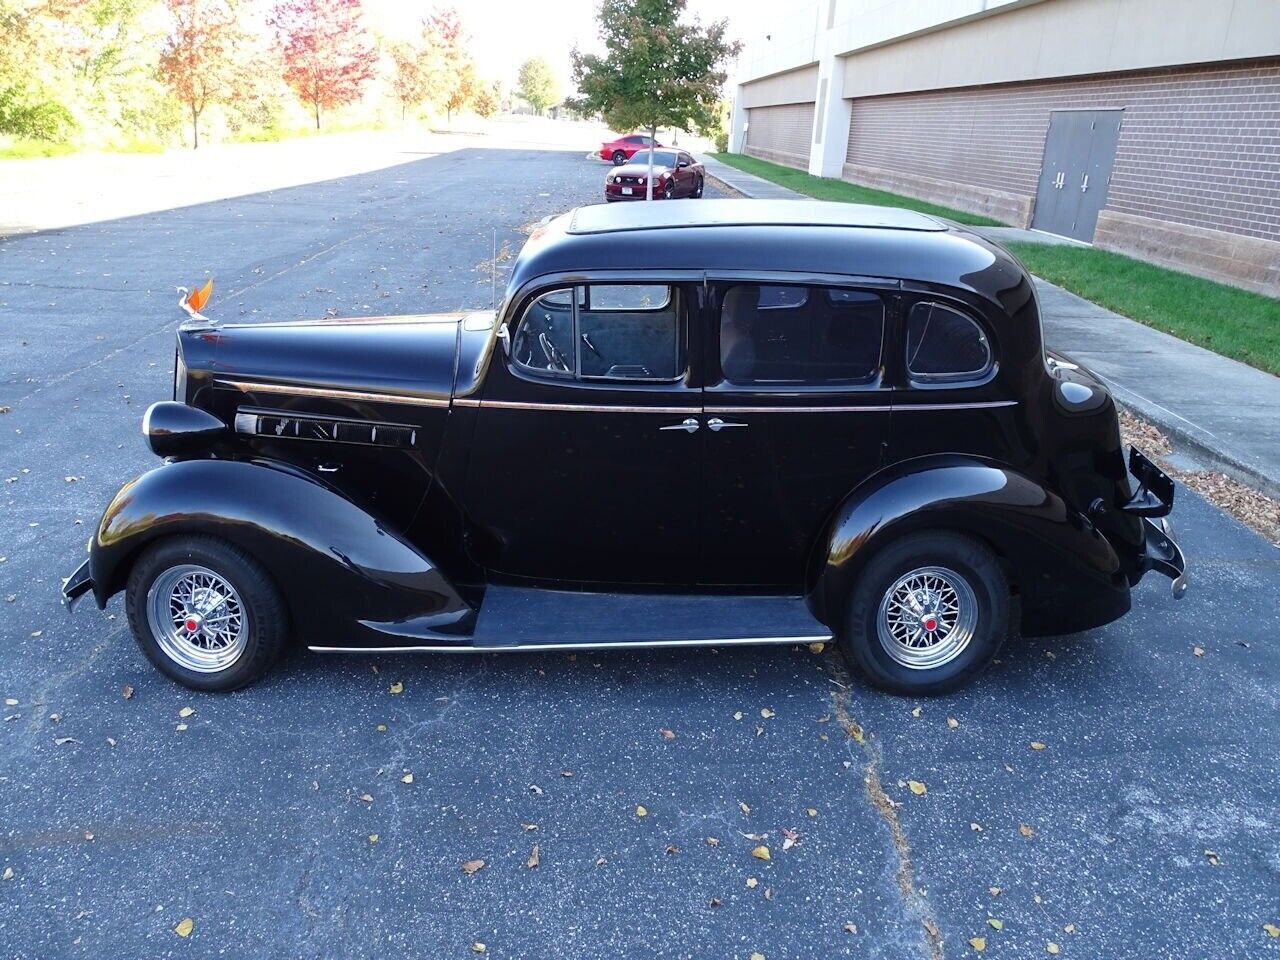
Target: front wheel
(669,191)
(927,614)
(697,191)
(205,613)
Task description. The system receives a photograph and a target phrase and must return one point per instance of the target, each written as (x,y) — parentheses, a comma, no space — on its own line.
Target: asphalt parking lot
(279,820)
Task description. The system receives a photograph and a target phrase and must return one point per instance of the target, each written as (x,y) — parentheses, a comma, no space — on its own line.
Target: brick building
(1146,126)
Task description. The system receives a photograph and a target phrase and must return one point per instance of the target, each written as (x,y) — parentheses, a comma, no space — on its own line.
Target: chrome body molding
(575,407)
(552,647)
(979,405)
(333,393)
(617,408)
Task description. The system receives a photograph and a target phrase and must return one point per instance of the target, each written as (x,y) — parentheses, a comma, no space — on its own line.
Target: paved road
(256,821)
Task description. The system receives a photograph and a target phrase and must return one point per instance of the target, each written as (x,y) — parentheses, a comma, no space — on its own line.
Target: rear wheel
(205,613)
(697,191)
(669,191)
(927,614)
(619,158)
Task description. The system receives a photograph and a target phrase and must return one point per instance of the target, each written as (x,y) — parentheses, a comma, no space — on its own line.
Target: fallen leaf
(817,647)
(535,789)
(529,827)
(566,773)
(714,902)
(761,852)
(975,827)
(994,891)
(1271,928)
(759,731)
(1025,830)
(641,811)
(811,812)
(916,711)
(1198,651)
(601,861)
(366,797)
(768,893)
(397,687)
(737,714)
(186,712)
(713,841)
(180,727)
(184,927)
(952,722)
(37,633)
(757,956)
(996,924)
(1037,745)
(667,734)
(533,860)
(8,874)
(111,741)
(63,740)
(978,943)
(671,849)
(471,866)
(10,702)
(127,692)
(751,883)
(381,728)
(1069,928)
(407,778)
(373,838)
(918,788)
(1213,858)
(1051,947)
(478,947)
(744,808)
(767,713)
(850,928)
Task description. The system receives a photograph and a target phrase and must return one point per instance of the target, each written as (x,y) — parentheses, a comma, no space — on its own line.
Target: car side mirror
(682,164)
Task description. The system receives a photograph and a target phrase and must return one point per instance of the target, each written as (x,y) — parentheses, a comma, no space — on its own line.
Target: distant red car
(675,174)
(622,149)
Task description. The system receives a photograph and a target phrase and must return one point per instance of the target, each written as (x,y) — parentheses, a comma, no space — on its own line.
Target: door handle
(688,425)
(716,424)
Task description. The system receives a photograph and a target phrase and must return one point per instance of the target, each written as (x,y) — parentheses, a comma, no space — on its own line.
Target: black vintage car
(735,422)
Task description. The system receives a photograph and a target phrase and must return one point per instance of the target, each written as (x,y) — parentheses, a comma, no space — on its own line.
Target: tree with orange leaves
(329,56)
(201,59)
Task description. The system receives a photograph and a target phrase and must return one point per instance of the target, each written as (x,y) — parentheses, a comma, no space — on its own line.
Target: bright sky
(504,33)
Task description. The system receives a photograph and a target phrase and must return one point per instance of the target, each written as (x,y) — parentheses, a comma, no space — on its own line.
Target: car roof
(615,218)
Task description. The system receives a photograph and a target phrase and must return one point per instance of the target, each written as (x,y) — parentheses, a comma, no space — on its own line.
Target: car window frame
(675,295)
(945,381)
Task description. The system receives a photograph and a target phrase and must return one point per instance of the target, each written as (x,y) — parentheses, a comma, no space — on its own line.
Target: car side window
(602,332)
(686,159)
(799,334)
(945,345)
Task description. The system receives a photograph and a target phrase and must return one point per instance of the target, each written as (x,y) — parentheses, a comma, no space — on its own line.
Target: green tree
(538,85)
(657,69)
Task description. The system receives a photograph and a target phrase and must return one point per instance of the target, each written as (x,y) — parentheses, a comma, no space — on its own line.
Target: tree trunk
(195,128)
(653,138)
(317,105)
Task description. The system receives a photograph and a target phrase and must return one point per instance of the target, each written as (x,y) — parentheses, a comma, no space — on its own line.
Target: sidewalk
(1219,413)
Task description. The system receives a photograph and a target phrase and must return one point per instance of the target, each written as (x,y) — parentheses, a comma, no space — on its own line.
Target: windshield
(661,158)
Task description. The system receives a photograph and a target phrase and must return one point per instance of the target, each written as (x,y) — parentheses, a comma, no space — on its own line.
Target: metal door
(1079,152)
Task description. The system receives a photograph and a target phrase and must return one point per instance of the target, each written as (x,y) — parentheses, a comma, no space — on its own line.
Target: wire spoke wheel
(197,618)
(927,618)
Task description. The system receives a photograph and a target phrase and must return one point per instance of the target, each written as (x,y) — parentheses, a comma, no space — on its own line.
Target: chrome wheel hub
(197,618)
(927,618)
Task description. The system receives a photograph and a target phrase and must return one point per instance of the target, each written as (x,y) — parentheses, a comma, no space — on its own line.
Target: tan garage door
(781,133)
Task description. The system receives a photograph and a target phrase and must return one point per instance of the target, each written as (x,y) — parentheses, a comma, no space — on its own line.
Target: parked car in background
(732,422)
(624,148)
(675,174)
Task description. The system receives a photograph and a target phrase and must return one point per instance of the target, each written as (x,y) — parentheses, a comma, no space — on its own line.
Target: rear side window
(796,334)
(944,344)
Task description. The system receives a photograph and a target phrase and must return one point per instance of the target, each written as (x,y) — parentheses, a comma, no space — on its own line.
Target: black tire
(669,191)
(619,158)
(697,191)
(262,609)
(974,568)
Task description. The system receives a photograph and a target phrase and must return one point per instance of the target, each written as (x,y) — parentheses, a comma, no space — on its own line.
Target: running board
(520,618)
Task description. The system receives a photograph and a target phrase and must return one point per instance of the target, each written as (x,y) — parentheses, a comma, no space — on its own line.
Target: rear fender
(335,564)
(1045,546)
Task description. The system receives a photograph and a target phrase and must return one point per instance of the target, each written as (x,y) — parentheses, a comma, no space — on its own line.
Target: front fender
(334,563)
(1046,547)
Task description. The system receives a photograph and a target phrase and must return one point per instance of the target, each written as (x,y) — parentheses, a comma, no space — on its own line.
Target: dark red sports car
(624,148)
(675,174)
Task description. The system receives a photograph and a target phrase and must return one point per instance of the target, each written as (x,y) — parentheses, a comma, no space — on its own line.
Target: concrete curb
(726,187)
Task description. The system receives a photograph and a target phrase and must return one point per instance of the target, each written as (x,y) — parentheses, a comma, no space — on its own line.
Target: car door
(797,409)
(684,174)
(586,462)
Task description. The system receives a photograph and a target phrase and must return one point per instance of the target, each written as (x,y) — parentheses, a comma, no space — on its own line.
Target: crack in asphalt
(872,754)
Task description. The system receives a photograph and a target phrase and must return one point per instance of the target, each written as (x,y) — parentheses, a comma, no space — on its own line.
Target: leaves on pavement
(471,866)
(184,927)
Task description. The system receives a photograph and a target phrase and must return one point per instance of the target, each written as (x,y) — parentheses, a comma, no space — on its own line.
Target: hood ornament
(193,301)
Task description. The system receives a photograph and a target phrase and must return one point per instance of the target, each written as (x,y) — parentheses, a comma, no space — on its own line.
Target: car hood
(412,357)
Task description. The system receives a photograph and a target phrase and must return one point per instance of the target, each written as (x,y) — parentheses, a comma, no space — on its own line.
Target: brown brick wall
(781,133)
(1200,146)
